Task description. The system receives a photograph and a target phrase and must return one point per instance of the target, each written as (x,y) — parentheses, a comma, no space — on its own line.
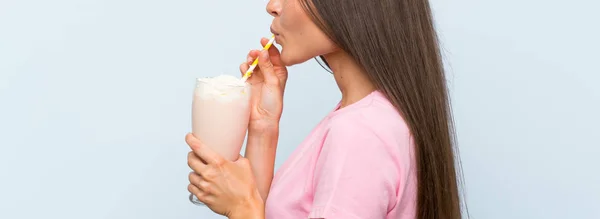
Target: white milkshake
(220,114)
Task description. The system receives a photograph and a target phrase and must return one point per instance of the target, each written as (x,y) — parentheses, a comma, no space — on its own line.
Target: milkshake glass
(220,115)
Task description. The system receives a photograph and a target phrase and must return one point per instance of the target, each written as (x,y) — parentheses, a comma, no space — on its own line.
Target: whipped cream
(222,88)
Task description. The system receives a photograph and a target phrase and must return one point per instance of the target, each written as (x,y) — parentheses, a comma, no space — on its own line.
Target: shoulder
(375,120)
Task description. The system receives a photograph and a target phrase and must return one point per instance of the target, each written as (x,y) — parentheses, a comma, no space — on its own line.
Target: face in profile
(300,38)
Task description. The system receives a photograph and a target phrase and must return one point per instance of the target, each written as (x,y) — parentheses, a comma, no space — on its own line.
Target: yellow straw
(253,66)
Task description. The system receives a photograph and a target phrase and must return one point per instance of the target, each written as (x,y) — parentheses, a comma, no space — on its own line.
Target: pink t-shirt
(357,163)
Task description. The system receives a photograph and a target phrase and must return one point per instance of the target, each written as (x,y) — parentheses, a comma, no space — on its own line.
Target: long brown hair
(396,43)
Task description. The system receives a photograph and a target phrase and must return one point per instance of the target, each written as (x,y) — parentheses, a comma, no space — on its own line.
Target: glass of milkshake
(220,115)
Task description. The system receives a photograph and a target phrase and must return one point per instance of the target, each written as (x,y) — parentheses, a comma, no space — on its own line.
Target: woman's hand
(268,83)
(226,187)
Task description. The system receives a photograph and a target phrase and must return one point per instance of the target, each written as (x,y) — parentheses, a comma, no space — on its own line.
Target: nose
(274,8)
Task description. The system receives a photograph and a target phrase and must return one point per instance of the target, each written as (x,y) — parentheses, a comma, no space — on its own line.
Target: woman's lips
(273,31)
(277,39)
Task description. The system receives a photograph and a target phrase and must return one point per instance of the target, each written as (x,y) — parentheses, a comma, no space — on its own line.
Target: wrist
(253,208)
(263,128)
(264,138)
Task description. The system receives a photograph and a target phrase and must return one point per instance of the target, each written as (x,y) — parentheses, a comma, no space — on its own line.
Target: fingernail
(249,59)
(265,54)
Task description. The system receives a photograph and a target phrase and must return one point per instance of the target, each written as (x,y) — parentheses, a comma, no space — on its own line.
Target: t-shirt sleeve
(355,175)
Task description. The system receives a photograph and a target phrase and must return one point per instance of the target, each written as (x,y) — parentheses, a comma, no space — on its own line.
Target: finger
(201,196)
(244,68)
(249,58)
(203,151)
(252,55)
(266,68)
(199,182)
(196,164)
(273,52)
(275,58)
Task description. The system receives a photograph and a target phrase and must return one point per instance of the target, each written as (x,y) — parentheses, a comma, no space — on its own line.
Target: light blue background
(95,100)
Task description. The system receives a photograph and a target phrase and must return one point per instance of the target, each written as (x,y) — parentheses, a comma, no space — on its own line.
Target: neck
(350,77)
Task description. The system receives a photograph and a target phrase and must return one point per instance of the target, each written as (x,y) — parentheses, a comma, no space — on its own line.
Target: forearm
(260,151)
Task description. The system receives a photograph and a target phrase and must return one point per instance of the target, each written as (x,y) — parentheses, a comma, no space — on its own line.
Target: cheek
(302,39)
(289,25)
(296,43)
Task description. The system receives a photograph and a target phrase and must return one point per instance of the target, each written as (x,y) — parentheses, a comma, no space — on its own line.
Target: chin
(292,59)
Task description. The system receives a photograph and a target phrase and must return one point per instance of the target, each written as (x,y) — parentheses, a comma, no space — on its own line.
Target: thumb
(266,68)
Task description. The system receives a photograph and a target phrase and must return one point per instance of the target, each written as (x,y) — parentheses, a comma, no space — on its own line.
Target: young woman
(385,151)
